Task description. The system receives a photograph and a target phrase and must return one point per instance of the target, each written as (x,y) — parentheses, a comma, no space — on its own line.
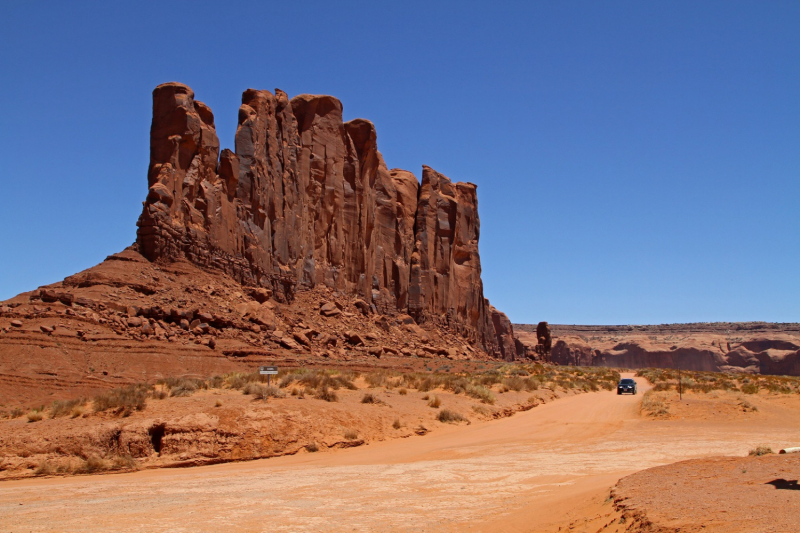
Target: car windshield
(627,382)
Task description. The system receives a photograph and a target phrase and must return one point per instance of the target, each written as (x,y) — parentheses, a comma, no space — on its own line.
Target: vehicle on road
(626,385)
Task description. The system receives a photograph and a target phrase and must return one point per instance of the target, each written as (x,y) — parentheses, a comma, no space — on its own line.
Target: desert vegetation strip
(234,416)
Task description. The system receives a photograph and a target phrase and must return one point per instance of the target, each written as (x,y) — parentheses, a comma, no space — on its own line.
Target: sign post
(268,371)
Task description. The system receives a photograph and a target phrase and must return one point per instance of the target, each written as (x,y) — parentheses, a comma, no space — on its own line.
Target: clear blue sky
(637,162)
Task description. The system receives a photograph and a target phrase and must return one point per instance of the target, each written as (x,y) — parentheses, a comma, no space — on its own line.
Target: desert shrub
(44,469)
(35,416)
(750,388)
(77,411)
(317,379)
(479,392)
(482,410)
(351,434)
(123,400)
(654,404)
(446,415)
(159,394)
(218,403)
(426,385)
(396,424)
(369,398)
(376,379)
(239,380)
(92,464)
(455,384)
(15,413)
(264,392)
(435,402)
(402,392)
(326,394)
(490,378)
(182,386)
(514,383)
(312,447)
(761,450)
(64,407)
(216,382)
(119,462)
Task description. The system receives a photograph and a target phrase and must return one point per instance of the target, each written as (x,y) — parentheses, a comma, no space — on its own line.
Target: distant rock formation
(757,348)
(306,199)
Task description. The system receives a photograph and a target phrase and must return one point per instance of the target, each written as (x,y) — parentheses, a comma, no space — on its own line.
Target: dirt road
(532,472)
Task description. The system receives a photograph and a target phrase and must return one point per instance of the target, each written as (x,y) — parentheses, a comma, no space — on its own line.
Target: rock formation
(307,199)
(756,348)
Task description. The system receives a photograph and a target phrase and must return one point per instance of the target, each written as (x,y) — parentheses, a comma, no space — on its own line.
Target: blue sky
(636,162)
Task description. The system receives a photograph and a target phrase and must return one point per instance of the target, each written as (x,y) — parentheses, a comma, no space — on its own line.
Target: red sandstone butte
(306,199)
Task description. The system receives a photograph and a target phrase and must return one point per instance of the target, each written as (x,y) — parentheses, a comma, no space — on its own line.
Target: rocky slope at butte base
(751,347)
(300,246)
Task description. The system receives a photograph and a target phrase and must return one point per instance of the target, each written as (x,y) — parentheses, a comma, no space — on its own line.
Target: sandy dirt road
(534,471)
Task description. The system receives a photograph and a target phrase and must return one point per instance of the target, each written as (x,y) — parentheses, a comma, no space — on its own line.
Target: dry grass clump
(377,378)
(263,392)
(482,410)
(396,424)
(758,451)
(403,391)
(435,402)
(479,392)
(124,400)
(90,465)
(312,447)
(326,394)
(320,379)
(35,415)
(750,388)
(351,434)
(448,416)
(653,404)
(370,398)
(65,407)
(159,394)
(179,387)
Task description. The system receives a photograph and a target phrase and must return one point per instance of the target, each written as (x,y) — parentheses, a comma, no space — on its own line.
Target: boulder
(301,338)
(289,344)
(329,309)
(362,306)
(354,338)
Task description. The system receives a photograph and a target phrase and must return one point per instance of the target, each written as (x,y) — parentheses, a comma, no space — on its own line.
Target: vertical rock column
(445,282)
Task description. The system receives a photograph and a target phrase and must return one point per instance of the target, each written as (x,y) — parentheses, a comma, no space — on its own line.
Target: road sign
(268,370)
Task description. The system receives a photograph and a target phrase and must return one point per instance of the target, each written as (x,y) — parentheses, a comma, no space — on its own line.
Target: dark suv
(626,385)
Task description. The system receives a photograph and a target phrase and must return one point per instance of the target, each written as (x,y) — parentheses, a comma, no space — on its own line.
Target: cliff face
(307,199)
